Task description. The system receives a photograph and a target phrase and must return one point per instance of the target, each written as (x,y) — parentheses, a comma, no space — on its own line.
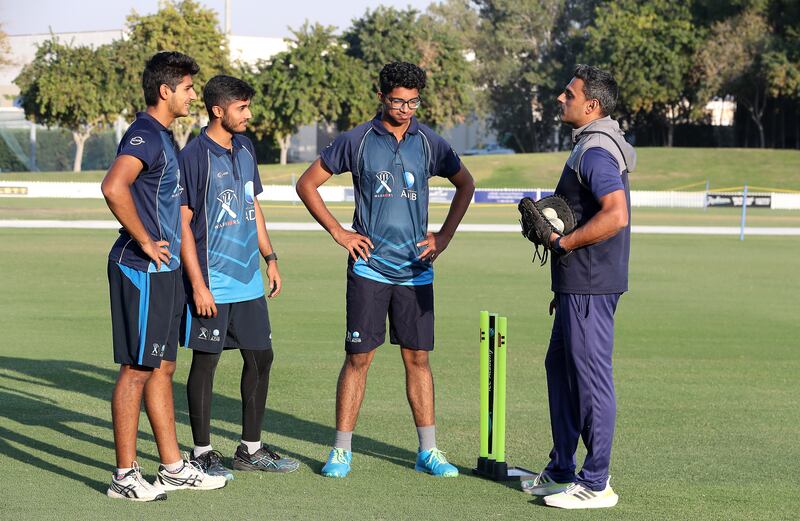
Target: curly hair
(401,74)
(165,68)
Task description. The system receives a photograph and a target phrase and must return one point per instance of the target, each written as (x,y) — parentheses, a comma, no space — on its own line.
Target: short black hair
(401,74)
(165,68)
(221,90)
(600,85)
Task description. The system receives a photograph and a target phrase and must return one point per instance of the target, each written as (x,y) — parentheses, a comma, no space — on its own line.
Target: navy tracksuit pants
(580,386)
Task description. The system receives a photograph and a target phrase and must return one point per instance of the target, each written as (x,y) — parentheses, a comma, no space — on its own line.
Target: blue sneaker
(433,462)
(338,465)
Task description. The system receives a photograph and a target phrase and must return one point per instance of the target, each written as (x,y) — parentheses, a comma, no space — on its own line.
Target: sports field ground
(707,365)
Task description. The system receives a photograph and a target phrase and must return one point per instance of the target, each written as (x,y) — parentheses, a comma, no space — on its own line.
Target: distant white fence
(639,198)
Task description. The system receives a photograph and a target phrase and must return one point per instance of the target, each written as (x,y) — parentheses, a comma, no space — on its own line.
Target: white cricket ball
(549,213)
(558,224)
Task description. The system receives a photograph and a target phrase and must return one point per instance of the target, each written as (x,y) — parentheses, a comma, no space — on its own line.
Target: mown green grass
(659,169)
(96,209)
(706,369)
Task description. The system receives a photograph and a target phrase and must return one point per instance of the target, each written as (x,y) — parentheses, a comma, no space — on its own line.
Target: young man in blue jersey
(223,233)
(143,188)
(390,269)
(589,273)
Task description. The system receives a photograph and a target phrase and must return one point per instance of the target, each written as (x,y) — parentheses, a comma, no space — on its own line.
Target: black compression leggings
(254,386)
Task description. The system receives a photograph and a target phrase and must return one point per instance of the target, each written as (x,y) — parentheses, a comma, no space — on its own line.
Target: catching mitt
(542,218)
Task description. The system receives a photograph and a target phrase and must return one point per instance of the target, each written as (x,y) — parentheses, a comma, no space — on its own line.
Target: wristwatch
(270,257)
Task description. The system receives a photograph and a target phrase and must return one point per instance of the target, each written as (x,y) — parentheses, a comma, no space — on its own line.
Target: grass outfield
(96,209)
(659,169)
(706,369)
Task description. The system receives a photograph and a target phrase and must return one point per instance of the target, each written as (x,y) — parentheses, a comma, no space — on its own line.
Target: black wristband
(271,257)
(557,246)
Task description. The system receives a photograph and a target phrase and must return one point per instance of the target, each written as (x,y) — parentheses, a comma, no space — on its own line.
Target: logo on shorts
(204,335)
(158,350)
(137,140)
(354,337)
(385,180)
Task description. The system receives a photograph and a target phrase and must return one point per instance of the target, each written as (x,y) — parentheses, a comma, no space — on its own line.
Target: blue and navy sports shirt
(156,193)
(390,182)
(600,268)
(221,190)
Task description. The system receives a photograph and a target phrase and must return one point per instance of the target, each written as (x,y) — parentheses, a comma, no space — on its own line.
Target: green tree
(741,57)
(5,48)
(183,26)
(70,87)
(387,34)
(313,81)
(649,47)
(515,38)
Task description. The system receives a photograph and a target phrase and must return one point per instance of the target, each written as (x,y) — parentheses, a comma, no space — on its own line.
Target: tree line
(503,60)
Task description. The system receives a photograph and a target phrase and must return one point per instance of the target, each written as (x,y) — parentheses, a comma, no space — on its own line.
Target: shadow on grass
(29,392)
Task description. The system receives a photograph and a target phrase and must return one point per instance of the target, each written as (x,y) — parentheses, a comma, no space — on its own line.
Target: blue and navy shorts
(409,308)
(238,325)
(145,314)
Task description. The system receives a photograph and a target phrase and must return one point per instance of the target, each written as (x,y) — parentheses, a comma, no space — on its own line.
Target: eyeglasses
(397,103)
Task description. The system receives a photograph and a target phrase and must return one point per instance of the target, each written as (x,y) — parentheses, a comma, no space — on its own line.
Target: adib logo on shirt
(408,190)
(385,183)
(249,201)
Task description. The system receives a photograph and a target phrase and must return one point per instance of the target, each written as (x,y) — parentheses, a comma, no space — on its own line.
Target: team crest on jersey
(137,140)
(408,187)
(385,184)
(227,216)
(178,190)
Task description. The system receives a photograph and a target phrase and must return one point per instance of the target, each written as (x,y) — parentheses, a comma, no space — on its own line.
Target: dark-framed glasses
(397,103)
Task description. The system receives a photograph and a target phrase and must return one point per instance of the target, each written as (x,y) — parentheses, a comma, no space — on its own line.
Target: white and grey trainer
(577,496)
(191,476)
(543,485)
(134,487)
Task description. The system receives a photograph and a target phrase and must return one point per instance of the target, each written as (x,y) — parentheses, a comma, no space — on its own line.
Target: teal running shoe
(338,465)
(433,462)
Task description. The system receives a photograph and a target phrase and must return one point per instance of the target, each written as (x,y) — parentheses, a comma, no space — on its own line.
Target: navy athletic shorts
(410,311)
(238,325)
(145,314)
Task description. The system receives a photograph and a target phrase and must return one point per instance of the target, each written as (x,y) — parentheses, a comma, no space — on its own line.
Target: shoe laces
(212,457)
(265,453)
(137,476)
(192,464)
(437,456)
(339,456)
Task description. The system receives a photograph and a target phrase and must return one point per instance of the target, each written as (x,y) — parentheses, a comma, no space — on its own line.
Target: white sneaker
(134,487)
(191,476)
(543,485)
(577,496)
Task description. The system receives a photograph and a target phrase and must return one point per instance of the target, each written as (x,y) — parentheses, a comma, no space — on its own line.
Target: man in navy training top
(390,269)
(223,233)
(143,189)
(589,273)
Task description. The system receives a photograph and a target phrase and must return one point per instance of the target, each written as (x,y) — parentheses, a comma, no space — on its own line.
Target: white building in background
(721,111)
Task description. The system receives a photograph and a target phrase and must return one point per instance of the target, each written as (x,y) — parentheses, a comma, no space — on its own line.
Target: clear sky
(250,17)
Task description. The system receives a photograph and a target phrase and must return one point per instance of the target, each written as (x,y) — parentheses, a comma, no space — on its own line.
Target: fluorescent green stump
(493,364)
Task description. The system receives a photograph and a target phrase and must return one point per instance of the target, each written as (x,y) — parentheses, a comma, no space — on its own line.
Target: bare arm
(116,188)
(201,295)
(612,217)
(265,248)
(315,176)
(437,242)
